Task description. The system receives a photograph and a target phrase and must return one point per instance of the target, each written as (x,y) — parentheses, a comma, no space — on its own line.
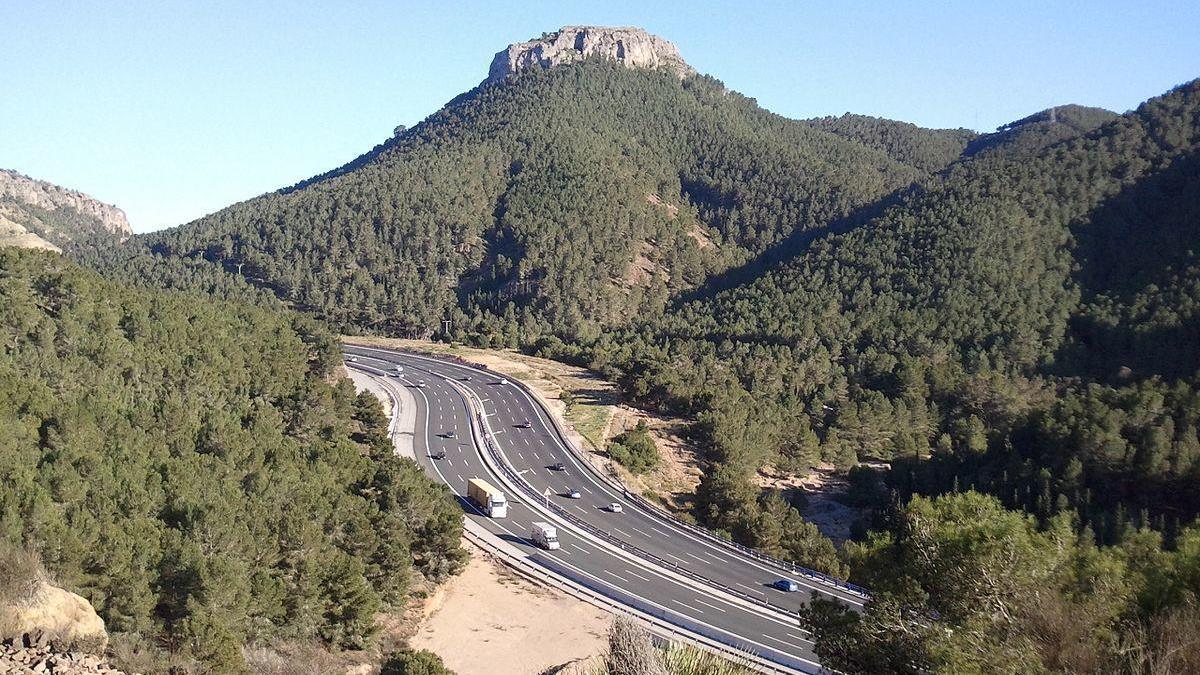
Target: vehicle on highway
(503,381)
(524,425)
(558,466)
(572,493)
(452,434)
(351,358)
(544,535)
(438,454)
(786,585)
(489,500)
(420,384)
(615,508)
(399,369)
(466,378)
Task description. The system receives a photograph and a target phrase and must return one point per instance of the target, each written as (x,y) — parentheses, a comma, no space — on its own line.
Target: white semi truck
(544,535)
(489,500)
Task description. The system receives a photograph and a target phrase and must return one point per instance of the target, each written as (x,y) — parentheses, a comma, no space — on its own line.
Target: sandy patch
(490,620)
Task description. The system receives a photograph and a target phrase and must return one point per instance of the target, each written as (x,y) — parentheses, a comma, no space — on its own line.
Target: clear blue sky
(172,110)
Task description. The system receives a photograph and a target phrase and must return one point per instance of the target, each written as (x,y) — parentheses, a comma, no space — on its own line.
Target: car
(466,378)
(786,585)
(438,454)
(421,384)
(351,358)
(451,434)
(615,507)
(503,381)
(399,369)
(524,425)
(558,466)
(572,493)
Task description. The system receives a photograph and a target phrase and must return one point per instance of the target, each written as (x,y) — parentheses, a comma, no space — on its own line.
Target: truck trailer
(489,500)
(544,535)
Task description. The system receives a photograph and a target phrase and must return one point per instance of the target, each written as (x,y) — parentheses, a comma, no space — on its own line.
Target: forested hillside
(562,201)
(194,470)
(1027,322)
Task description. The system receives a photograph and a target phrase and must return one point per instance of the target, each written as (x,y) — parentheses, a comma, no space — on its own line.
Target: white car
(351,359)
(614,508)
(503,381)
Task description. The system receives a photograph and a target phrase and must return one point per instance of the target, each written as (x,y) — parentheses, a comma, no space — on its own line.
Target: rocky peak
(631,47)
(38,211)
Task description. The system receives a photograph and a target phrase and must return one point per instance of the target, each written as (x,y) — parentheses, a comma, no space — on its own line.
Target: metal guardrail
(677,621)
(660,627)
(657,512)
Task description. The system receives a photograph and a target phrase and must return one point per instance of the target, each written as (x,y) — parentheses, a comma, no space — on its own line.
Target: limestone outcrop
(631,47)
(60,615)
(54,214)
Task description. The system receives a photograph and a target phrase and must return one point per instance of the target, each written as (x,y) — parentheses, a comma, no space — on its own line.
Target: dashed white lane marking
(697,558)
(782,642)
(621,532)
(708,605)
(642,532)
(635,574)
(578,548)
(756,590)
(660,531)
(672,555)
(714,557)
(581,509)
(616,575)
(680,602)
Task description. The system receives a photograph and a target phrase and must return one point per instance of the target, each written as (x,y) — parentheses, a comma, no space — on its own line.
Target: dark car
(524,425)
(558,466)
(438,454)
(451,434)
(786,585)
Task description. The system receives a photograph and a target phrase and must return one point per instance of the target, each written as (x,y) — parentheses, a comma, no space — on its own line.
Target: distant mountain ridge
(38,214)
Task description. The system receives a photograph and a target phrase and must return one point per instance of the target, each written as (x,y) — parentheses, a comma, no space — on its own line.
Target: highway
(635,557)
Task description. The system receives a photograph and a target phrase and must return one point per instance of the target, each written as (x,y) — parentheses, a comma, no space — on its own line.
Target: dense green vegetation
(635,449)
(1028,322)
(962,585)
(565,201)
(1015,314)
(192,468)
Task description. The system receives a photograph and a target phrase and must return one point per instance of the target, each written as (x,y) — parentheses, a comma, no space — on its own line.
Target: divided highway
(635,557)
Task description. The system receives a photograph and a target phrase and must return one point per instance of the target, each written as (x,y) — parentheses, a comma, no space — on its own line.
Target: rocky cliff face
(632,47)
(33,210)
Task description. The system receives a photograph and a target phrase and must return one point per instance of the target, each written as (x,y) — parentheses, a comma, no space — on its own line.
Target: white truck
(544,535)
(489,500)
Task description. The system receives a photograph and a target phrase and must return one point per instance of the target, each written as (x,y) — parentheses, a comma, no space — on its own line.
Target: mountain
(559,199)
(1030,134)
(37,214)
(1025,323)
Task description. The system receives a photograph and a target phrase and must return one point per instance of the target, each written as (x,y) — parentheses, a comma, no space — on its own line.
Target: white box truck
(489,500)
(544,535)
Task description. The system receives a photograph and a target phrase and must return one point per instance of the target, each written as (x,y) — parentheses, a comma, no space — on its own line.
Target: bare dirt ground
(490,620)
(819,491)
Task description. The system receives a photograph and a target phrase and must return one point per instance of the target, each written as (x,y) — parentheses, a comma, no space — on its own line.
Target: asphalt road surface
(663,583)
